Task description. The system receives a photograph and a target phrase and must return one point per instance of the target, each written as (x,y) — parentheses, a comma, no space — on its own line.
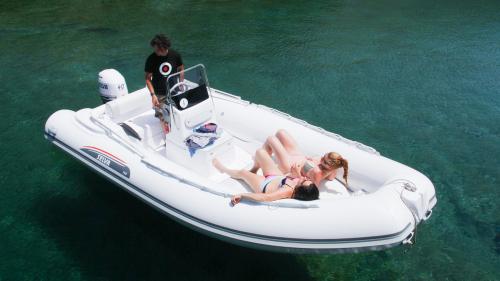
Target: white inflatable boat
(123,141)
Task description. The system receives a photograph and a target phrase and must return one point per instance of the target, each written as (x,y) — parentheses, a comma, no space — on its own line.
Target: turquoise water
(417,80)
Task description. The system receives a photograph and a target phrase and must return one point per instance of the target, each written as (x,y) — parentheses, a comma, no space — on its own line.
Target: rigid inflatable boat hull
(386,202)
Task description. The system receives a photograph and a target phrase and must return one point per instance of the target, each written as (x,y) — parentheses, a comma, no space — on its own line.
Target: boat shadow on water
(112,235)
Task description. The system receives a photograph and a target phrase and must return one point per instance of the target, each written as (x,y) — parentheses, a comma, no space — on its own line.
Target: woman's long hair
(335,161)
(306,192)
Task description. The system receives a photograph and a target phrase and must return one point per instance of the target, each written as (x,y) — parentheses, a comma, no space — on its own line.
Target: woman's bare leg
(282,156)
(285,149)
(288,142)
(255,166)
(251,179)
(266,163)
(273,145)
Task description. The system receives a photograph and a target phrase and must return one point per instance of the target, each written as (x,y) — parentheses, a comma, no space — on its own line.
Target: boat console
(191,107)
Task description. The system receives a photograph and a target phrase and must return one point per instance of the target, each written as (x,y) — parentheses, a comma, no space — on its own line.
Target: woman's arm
(263,197)
(295,170)
(332,175)
(318,177)
(317,180)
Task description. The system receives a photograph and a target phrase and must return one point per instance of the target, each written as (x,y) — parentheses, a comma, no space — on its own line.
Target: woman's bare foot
(218,165)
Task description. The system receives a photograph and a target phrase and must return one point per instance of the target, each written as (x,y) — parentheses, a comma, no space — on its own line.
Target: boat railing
(318,129)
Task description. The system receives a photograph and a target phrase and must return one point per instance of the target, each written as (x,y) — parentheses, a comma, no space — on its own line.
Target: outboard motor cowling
(111,85)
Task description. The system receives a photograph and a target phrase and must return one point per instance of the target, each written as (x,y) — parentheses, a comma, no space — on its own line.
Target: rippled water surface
(417,80)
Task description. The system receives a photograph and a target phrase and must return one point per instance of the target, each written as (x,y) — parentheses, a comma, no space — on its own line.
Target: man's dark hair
(161,41)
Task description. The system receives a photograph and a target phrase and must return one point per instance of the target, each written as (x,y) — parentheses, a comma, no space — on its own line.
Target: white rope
(338,137)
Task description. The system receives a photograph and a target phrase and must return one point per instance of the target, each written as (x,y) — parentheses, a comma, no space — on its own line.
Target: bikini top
(307,167)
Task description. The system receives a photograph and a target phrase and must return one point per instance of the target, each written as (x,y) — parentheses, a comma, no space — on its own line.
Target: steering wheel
(182,84)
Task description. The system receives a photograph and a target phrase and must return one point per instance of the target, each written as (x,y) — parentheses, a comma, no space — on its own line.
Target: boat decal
(107,159)
(296,241)
(105,152)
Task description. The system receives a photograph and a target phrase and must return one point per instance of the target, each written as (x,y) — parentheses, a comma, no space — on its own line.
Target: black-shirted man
(159,65)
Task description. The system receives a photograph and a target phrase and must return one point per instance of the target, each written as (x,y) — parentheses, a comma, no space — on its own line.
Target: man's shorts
(163,111)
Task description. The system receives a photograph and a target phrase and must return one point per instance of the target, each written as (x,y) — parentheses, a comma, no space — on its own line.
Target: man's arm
(181,68)
(151,89)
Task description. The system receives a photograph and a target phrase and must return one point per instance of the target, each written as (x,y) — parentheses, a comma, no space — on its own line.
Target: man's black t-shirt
(162,67)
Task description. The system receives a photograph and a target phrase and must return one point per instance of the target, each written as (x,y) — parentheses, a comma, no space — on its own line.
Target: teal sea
(417,80)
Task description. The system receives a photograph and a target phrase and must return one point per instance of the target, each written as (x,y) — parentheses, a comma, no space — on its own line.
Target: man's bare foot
(218,165)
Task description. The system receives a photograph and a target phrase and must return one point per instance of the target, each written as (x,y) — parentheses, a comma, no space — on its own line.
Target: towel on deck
(202,137)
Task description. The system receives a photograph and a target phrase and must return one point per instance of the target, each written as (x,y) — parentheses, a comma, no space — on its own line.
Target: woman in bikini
(290,158)
(274,185)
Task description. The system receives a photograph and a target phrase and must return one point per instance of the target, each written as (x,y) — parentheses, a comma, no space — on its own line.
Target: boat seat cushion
(335,187)
(127,107)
